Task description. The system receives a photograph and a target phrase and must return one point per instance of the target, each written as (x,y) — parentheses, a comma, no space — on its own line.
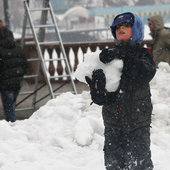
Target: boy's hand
(99,94)
(107,55)
(98,80)
(97,87)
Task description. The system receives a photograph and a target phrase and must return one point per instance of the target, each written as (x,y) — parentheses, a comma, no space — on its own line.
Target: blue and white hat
(123,18)
(132,19)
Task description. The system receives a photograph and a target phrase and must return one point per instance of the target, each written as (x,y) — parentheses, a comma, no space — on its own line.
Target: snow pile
(160,131)
(111,70)
(67,133)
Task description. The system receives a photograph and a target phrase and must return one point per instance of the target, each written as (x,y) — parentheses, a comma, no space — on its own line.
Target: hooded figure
(132,19)
(161,39)
(126,112)
(13,66)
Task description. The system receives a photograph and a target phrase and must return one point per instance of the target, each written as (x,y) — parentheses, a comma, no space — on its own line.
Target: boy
(127,111)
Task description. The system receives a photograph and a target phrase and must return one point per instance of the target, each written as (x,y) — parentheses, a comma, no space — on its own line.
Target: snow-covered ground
(67,133)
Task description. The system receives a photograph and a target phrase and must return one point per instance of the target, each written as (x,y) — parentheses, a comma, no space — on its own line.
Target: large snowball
(112,70)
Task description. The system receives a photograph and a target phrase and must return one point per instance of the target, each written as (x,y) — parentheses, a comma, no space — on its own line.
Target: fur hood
(158,22)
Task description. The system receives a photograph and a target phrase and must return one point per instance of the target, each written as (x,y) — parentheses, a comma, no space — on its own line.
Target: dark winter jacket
(161,40)
(132,106)
(12,64)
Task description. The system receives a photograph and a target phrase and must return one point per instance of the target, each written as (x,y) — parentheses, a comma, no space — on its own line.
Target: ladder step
(55,59)
(29,42)
(43,26)
(24,108)
(30,76)
(57,94)
(48,42)
(66,75)
(42,43)
(39,9)
(26,92)
(33,59)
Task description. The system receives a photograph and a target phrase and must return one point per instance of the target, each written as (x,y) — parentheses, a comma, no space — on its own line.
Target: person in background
(13,66)
(161,39)
(127,111)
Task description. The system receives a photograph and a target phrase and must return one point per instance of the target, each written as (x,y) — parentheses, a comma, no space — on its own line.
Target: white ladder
(39,41)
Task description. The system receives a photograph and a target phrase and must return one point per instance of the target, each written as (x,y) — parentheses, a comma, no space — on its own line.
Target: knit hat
(126,17)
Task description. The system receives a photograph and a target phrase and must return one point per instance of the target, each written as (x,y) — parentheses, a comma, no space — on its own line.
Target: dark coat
(13,65)
(161,40)
(132,106)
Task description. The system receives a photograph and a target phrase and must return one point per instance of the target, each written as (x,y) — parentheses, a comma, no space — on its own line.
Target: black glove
(98,79)
(97,87)
(107,55)
(99,94)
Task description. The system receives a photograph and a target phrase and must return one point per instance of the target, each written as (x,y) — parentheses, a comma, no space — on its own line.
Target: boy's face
(123,32)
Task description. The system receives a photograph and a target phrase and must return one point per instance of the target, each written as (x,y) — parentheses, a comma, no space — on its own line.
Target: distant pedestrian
(12,68)
(161,39)
(127,111)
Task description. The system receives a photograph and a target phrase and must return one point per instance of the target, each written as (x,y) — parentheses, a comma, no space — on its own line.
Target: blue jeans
(9,100)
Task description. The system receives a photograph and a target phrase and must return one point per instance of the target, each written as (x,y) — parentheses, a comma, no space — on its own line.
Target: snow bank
(67,133)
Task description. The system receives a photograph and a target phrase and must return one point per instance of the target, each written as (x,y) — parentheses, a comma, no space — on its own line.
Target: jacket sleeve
(147,66)
(141,68)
